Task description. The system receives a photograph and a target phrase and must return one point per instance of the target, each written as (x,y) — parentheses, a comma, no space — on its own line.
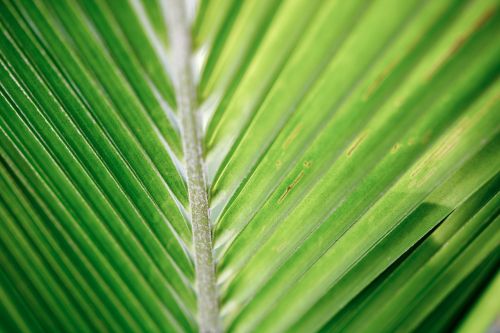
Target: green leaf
(484,314)
(249,166)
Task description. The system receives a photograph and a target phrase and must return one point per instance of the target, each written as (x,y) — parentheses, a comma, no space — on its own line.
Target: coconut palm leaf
(249,166)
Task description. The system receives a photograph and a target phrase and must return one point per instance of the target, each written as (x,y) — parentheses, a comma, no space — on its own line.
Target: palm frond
(249,166)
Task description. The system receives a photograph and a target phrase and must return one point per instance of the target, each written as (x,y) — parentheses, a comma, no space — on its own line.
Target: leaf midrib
(181,43)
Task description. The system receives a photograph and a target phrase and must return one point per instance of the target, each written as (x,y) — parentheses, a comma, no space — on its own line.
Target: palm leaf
(249,166)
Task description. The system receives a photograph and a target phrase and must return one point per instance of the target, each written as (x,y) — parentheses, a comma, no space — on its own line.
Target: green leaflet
(249,166)
(483,314)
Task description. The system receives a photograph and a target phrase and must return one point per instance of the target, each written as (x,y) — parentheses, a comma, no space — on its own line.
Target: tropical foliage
(249,166)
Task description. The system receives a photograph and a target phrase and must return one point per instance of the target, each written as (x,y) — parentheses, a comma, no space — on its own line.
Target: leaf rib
(180,37)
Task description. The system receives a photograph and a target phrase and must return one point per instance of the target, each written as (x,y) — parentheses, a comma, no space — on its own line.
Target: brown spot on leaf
(292,136)
(355,144)
(290,187)
(460,42)
(395,148)
(379,79)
